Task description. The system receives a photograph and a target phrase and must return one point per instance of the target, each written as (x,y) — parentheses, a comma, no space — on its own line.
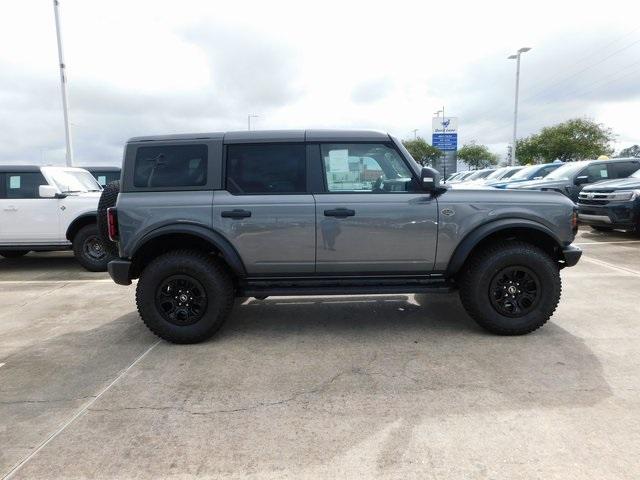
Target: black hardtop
(19,168)
(262,136)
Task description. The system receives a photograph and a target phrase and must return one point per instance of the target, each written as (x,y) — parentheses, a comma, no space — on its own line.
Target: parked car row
(607,192)
(53,208)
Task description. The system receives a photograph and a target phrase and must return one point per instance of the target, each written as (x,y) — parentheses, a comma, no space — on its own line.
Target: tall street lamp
(63,87)
(516,57)
(444,155)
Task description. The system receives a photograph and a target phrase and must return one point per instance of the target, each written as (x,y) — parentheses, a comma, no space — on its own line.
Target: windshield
(525,173)
(509,173)
(480,174)
(566,171)
(497,173)
(71,181)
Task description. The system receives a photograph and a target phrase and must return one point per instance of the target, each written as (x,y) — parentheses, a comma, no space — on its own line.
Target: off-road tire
(481,269)
(82,242)
(13,253)
(107,200)
(204,269)
(600,228)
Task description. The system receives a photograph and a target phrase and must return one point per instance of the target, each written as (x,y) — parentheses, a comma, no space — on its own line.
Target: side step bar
(261,288)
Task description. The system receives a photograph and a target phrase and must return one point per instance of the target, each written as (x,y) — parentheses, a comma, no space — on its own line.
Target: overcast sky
(142,67)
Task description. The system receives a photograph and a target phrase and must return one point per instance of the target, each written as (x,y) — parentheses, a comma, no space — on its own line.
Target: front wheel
(89,249)
(510,288)
(184,296)
(13,253)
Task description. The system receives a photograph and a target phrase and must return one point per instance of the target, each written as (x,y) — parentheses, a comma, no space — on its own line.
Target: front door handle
(236,214)
(340,213)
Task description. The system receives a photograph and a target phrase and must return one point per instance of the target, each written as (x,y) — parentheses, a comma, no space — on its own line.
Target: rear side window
(266,168)
(171,166)
(624,169)
(23,185)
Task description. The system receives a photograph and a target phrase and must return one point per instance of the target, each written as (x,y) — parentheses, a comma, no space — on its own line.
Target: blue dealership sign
(445,141)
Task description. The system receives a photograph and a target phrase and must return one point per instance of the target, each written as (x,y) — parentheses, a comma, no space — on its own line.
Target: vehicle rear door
(25,218)
(372,217)
(266,210)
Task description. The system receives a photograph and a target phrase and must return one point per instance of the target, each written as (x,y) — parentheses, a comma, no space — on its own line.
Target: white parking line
(51,437)
(611,266)
(48,282)
(607,243)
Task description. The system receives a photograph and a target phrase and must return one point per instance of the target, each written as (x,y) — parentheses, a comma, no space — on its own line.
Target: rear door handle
(237,213)
(340,213)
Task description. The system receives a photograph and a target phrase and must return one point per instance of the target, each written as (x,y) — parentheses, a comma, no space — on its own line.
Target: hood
(538,184)
(629,183)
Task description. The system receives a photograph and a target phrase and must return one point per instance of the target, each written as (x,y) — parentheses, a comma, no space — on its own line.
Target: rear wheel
(13,253)
(89,249)
(510,288)
(184,296)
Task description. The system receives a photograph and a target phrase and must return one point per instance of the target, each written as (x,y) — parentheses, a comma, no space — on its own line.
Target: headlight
(623,196)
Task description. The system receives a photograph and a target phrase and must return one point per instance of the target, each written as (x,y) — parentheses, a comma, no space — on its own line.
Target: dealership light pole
(415,133)
(249,117)
(516,57)
(63,85)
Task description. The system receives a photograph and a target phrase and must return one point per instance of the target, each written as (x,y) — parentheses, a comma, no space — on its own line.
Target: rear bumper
(570,253)
(119,270)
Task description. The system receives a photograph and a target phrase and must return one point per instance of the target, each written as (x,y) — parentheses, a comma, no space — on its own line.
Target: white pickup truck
(50,208)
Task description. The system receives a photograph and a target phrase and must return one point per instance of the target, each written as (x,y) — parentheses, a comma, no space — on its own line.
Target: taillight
(112,224)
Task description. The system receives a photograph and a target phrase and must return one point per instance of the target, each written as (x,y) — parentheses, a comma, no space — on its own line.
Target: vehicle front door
(265,210)
(25,218)
(372,216)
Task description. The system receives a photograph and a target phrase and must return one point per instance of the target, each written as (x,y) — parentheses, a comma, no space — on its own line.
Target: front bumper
(571,255)
(620,215)
(119,270)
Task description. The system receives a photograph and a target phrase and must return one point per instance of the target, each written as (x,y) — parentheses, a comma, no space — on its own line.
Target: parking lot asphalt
(396,386)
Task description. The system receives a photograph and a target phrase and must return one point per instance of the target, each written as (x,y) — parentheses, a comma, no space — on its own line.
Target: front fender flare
(473,238)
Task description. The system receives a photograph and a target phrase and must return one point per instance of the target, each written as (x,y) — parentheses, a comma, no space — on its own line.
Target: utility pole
(444,154)
(512,159)
(415,133)
(63,85)
(249,117)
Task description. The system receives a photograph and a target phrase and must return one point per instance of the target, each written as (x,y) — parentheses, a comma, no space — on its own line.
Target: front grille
(602,197)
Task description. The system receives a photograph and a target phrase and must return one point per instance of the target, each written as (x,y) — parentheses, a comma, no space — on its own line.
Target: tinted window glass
(266,168)
(171,166)
(104,178)
(624,169)
(365,167)
(595,173)
(23,185)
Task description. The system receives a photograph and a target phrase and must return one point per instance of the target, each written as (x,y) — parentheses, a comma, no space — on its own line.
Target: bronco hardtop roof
(261,136)
(19,168)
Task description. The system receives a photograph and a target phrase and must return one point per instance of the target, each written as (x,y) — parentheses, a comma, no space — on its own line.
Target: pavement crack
(52,400)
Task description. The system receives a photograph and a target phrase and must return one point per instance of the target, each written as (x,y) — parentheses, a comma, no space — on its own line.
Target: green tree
(575,139)
(421,151)
(477,156)
(632,151)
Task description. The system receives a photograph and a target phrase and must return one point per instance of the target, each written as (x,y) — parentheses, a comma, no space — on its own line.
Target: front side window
(365,167)
(171,166)
(266,168)
(595,173)
(23,185)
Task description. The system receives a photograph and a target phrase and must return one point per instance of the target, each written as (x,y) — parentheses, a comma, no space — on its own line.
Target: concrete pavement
(396,386)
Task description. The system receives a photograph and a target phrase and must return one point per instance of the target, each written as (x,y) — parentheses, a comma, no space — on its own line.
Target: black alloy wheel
(181,300)
(514,291)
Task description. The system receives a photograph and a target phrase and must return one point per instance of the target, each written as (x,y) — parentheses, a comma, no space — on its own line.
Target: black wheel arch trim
(228,251)
(473,238)
(85,218)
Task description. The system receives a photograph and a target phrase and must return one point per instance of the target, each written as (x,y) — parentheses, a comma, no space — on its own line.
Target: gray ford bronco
(203,219)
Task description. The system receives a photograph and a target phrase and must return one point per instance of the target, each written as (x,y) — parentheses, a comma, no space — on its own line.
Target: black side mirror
(430,179)
(581,180)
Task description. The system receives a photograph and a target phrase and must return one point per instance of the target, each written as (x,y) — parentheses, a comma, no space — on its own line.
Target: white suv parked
(50,208)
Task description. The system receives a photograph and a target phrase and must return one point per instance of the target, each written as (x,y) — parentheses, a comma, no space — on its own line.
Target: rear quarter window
(170,166)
